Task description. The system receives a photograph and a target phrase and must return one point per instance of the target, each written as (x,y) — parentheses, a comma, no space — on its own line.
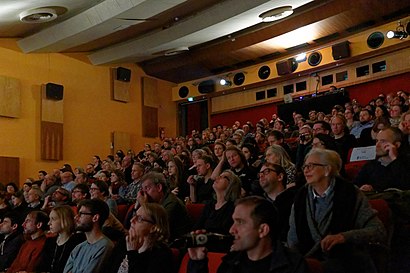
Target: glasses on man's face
(266,171)
(94,189)
(141,219)
(147,188)
(311,166)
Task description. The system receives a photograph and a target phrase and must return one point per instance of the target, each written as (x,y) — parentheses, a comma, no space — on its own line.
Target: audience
(10,229)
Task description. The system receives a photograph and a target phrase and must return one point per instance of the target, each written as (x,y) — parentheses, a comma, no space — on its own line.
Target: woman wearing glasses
(331,220)
(144,250)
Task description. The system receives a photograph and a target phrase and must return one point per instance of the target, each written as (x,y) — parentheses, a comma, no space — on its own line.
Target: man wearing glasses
(272,179)
(91,255)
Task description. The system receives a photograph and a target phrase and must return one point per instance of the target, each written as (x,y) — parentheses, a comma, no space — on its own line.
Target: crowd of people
(279,188)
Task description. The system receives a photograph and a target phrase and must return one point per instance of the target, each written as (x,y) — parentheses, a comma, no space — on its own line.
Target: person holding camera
(304,145)
(256,246)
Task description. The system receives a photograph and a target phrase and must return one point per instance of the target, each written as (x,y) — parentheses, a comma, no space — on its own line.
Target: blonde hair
(157,213)
(66,216)
(280,152)
(233,191)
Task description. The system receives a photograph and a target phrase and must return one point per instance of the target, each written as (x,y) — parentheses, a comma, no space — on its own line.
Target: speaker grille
(315,58)
(207,86)
(183,92)
(123,74)
(54,91)
(239,78)
(264,72)
(375,40)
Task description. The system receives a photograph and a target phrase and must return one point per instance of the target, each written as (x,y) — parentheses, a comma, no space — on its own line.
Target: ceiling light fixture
(38,16)
(176,51)
(400,32)
(276,14)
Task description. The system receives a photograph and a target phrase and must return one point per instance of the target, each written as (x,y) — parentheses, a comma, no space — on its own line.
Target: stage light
(301,57)
(400,32)
(225,82)
(190,99)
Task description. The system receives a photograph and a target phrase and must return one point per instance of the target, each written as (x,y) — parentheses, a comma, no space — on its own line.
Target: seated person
(145,249)
(57,248)
(35,225)
(10,228)
(391,166)
(201,189)
(256,246)
(331,220)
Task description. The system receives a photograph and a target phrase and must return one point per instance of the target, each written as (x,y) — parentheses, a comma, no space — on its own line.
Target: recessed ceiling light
(276,14)
(37,16)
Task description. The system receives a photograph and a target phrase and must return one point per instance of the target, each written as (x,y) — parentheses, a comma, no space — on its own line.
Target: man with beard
(256,246)
(10,228)
(35,225)
(366,121)
(390,168)
(91,255)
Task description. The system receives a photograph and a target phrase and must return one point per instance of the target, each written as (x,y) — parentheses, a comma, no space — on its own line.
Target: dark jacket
(9,249)
(283,260)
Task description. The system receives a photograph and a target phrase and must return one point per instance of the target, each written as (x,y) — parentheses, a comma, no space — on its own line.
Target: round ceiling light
(37,16)
(276,14)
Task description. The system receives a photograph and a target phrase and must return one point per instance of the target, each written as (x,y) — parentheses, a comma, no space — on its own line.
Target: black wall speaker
(207,86)
(54,91)
(123,74)
(239,78)
(375,40)
(264,72)
(183,92)
(341,50)
(287,67)
(314,58)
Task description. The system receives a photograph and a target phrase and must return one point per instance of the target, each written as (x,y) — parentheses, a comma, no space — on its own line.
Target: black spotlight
(399,33)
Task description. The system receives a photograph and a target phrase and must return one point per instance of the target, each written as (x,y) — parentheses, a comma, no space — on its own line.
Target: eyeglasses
(147,188)
(311,166)
(94,189)
(141,219)
(84,213)
(266,171)
(75,191)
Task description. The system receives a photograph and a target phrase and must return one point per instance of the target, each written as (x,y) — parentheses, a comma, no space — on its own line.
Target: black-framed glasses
(311,166)
(84,213)
(141,219)
(266,171)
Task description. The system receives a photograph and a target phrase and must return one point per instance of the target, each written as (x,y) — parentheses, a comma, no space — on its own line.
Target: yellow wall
(89,113)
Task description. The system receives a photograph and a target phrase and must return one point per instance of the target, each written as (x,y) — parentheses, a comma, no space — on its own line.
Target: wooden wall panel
(9,170)
(51,110)
(150,121)
(121,141)
(120,89)
(10,105)
(51,141)
(150,92)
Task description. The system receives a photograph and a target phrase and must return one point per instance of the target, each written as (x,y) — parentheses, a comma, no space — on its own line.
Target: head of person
(272,176)
(276,154)
(305,134)
(249,151)
(117,176)
(197,153)
(279,125)
(27,186)
(137,171)
(34,195)
(62,220)
(81,178)
(365,116)
(11,223)
(91,213)
(219,149)
(99,190)
(151,222)
(338,125)
(395,111)
(321,127)
(405,123)
(228,183)
(235,157)
(17,198)
(255,224)
(204,165)
(11,188)
(66,177)
(381,111)
(61,195)
(320,166)
(42,174)
(386,137)
(103,176)
(275,137)
(323,141)
(80,192)
(155,186)
(35,221)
